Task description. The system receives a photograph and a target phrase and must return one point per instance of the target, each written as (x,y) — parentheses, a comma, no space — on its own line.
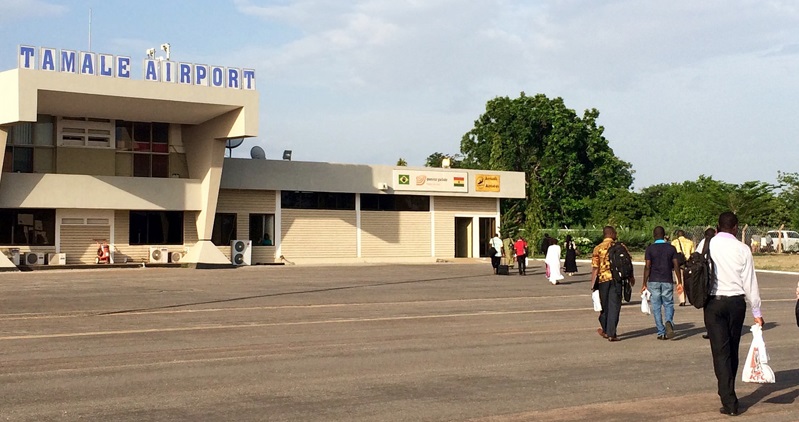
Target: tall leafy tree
(566,159)
(788,184)
(436,159)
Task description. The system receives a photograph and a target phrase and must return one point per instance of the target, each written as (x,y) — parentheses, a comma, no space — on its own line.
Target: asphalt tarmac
(439,342)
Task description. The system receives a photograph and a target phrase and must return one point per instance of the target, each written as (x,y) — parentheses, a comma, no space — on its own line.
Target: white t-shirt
(497,244)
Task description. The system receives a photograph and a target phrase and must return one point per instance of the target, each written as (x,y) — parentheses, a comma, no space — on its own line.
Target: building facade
(92,158)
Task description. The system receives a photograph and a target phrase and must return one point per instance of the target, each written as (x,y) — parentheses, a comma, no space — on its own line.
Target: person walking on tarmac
(610,290)
(520,246)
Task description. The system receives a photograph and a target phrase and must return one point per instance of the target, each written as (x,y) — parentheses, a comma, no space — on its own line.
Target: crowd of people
(734,284)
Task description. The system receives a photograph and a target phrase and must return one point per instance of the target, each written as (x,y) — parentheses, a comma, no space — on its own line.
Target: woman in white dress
(553,262)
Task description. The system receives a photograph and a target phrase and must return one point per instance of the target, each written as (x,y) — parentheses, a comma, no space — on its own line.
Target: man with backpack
(661,260)
(735,284)
(609,278)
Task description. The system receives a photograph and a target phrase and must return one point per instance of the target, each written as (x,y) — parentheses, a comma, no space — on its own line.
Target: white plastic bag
(597,302)
(645,302)
(756,367)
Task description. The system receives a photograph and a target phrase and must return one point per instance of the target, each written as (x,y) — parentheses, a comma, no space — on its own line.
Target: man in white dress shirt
(736,283)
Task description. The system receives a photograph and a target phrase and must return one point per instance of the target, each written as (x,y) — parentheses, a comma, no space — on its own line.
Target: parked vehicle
(790,240)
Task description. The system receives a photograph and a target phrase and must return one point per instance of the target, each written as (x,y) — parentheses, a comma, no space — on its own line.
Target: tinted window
(224,229)
(156,228)
(317,200)
(377,202)
(27,227)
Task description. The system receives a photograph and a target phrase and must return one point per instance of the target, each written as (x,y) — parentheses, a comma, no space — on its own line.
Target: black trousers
(610,297)
(522,261)
(495,260)
(724,318)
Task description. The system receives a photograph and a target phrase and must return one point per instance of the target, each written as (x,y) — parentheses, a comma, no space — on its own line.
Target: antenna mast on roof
(90,29)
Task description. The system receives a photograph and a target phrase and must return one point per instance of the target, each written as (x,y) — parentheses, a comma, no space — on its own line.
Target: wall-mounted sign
(486,183)
(157,70)
(430,181)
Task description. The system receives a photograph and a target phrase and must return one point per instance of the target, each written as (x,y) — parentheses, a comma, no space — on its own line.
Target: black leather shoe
(728,412)
(705,336)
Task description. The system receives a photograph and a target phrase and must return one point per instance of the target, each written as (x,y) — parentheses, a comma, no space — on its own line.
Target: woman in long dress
(571,256)
(553,262)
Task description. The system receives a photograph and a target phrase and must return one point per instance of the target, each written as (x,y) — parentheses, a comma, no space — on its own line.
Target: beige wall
(27,93)
(395,234)
(33,190)
(318,233)
(87,161)
(243,203)
(250,174)
(447,208)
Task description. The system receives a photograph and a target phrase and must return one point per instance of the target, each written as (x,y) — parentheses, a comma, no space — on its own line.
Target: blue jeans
(662,295)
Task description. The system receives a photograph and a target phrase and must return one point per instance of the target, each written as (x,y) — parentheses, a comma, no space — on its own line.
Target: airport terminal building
(91,156)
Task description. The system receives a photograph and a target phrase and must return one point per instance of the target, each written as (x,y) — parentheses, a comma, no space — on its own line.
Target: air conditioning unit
(56,259)
(14,256)
(175,256)
(34,258)
(159,255)
(241,252)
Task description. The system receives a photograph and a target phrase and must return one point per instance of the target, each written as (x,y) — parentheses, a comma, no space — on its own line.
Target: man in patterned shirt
(610,290)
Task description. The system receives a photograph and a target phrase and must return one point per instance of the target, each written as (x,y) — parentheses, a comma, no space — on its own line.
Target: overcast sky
(683,87)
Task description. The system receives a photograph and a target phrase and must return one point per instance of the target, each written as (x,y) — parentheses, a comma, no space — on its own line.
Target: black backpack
(681,260)
(621,265)
(698,277)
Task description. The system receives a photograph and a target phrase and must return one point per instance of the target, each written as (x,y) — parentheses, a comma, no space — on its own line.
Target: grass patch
(781,262)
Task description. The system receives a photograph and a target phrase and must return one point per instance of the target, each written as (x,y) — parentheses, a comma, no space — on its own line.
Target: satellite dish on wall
(257,153)
(233,143)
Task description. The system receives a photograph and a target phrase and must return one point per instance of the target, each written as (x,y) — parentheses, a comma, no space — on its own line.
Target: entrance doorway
(463,237)
(488,227)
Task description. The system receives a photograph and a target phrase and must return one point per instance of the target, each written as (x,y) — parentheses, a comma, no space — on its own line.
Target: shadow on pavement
(786,383)
(326,289)
(651,331)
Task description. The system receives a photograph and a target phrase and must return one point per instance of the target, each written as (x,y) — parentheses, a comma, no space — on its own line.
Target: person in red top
(520,246)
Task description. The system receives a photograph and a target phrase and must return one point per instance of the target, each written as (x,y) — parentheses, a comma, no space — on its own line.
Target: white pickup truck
(790,240)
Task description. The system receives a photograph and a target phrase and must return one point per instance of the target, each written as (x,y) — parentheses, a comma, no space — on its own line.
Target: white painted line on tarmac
(155,311)
(278,324)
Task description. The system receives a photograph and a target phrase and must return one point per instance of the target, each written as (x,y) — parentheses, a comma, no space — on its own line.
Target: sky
(683,87)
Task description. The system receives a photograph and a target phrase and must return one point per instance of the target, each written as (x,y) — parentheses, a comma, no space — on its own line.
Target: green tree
(436,160)
(402,163)
(566,159)
(620,207)
(788,184)
(699,203)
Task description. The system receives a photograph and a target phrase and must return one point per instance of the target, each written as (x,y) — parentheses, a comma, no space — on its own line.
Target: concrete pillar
(205,153)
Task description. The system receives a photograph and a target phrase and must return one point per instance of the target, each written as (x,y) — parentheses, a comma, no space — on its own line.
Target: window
(317,200)
(377,202)
(20,227)
(262,229)
(29,148)
(224,229)
(85,132)
(142,149)
(156,228)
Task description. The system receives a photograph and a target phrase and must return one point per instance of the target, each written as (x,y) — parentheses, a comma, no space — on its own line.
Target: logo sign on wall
(430,181)
(486,183)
